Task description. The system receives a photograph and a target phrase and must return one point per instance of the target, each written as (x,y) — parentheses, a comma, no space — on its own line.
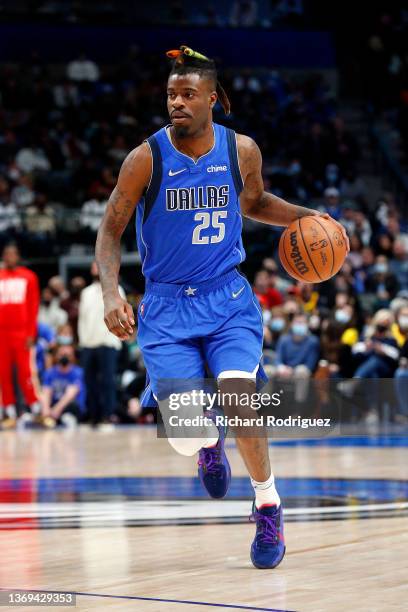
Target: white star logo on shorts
(190,291)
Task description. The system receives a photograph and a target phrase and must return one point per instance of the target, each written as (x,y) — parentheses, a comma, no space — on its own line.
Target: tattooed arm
(258,204)
(133,178)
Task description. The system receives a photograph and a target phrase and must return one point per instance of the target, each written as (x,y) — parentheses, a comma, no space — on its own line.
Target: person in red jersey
(19,302)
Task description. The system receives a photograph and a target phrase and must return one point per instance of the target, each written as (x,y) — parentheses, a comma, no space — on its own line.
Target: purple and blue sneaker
(214,469)
(268,547)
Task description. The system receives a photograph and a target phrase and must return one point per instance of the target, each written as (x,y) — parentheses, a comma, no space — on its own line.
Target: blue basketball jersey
(188,222)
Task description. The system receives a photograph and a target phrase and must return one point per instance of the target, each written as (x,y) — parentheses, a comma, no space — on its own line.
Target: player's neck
(194,146)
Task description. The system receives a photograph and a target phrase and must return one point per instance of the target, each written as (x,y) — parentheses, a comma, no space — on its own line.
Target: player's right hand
(119,317)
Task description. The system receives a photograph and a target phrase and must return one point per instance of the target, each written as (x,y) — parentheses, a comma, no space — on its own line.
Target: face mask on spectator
(299,329)
(64,360)
(403,321)
(381,268)
(277,324)
(381,328)
(65,340)
(342,316)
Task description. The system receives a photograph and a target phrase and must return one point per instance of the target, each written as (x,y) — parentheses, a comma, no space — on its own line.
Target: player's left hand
(339,225)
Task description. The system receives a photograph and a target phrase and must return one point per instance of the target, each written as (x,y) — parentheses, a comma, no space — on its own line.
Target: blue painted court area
(294,490)
(376,441)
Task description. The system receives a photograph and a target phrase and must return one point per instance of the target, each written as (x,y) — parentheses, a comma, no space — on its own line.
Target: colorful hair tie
(184,50)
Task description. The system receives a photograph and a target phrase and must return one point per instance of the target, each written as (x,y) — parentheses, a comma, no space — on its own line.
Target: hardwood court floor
(331,565)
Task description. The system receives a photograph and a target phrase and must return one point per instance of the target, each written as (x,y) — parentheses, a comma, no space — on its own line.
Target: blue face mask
(299,329)
(65,340)
(277,324)
(342,316)
(381,268)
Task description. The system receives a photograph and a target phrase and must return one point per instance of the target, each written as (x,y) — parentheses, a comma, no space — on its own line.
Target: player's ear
(213,99)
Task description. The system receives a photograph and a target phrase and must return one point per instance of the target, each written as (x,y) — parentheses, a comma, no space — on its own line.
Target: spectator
(65,335)
(353,186)
(383,243)
(297,354)
(63,397)
(45,342)
(57,286)
(394,230)
(345,318)
(31,159)
(83,69)
(40,222)
(335,352)
(399,263)
(308,296)
(265,290)
(23,193)
(401,374)
(362,227)
(355,257)
(379,351)
(92,212)
(71,303)
(19,299)
(398,305)
(382,282)
(10,221)
(40,218)
(50,312)
(367,266)
(378,356)
(66,95)
(347,217)
(99,352)
(332,202)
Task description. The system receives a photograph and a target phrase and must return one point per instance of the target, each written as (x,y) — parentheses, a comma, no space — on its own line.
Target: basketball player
(191,182)
(19,301)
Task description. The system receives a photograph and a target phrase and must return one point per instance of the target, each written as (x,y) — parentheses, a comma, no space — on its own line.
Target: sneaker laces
(267,528)
(210,458)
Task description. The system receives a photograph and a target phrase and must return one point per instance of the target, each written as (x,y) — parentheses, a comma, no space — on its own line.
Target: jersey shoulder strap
(156,178)
(234,162)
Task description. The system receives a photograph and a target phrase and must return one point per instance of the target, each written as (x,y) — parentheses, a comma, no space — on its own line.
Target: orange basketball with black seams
(312,249)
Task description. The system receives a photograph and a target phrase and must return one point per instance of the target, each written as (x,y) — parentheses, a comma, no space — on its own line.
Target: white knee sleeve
(184,439)
(238,374)
(187,446)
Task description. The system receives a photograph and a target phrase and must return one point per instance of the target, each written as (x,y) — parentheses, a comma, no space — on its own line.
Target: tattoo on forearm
(119,210)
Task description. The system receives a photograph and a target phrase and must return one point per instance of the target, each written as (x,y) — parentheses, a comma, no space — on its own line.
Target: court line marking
(122,510)
(155,599)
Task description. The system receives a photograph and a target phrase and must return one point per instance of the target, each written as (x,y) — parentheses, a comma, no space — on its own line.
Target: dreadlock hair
(187,61)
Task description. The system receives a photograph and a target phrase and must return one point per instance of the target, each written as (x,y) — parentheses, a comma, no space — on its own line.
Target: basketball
(312,249)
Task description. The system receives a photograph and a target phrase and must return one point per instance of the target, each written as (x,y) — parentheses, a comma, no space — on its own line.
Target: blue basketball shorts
(186,330)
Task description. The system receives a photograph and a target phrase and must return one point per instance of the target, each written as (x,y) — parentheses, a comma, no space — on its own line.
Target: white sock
(11,411)
(265,492)
(35,408)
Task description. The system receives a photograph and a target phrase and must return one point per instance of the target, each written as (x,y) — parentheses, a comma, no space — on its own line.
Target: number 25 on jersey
(207,220)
